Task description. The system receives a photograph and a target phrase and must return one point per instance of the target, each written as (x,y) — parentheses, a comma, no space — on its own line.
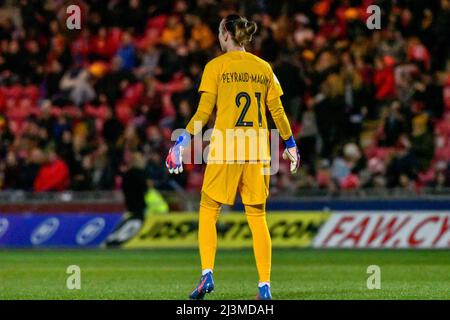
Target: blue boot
(264,293)
(206,285)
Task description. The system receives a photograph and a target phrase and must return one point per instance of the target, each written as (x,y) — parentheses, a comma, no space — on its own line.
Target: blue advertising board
(56,230)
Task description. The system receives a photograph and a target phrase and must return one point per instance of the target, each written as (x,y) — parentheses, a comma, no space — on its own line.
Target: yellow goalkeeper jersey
(243,84)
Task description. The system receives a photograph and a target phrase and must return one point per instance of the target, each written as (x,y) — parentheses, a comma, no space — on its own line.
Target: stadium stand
(370,108)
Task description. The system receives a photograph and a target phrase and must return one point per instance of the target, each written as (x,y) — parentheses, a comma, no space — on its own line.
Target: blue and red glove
(174,160)
(292,153)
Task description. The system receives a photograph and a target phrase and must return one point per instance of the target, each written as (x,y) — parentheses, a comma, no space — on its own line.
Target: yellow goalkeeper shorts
(222,181)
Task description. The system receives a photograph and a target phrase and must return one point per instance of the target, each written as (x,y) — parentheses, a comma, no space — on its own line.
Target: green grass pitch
(172,274)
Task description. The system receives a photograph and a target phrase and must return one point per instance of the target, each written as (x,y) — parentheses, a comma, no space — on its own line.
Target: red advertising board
(385,230)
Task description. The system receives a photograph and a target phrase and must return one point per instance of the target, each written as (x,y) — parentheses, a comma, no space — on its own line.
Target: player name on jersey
(230,77)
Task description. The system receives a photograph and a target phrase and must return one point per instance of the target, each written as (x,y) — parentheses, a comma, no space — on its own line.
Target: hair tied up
(244,31)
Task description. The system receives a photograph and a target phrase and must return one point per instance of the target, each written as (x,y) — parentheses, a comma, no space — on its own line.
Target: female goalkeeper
(240,85)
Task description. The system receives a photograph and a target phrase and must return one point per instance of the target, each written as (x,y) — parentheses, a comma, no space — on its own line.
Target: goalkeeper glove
(292,154)
(174,161)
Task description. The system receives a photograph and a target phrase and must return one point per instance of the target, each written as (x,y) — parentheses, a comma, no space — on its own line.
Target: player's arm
(279,117)
(204,111)
(208,88)
(276,109)
(282,123)
(205,108)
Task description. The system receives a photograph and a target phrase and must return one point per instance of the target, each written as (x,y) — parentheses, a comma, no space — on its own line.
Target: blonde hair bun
(241,28)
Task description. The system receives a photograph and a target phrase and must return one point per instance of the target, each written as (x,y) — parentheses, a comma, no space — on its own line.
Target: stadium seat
(123,112)
(427,176)
(323,178)
(443,153)
(32,92)
(350,182)
(378,152)
(13,92)
(133,93)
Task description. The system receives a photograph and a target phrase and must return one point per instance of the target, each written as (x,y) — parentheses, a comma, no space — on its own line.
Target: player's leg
(254,189)
(262,246)
(207,239)
(219,187)
(207,233)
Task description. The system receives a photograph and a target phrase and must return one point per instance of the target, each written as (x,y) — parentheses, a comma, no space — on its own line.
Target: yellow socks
(262,244)
(207,233)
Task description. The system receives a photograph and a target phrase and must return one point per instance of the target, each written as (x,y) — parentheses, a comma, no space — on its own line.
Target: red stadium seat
(323,178)
(72,111)
(378,152)
(31,92)
(115,37)
(2,101)
(157,23)
(447,94)
(443,153)
(443,128)
(13,92)
(98,112)
(133,94)
(124,112)
(427,176)
(350,182)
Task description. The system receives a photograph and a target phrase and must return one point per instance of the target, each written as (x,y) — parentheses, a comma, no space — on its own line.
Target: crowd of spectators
(369,108)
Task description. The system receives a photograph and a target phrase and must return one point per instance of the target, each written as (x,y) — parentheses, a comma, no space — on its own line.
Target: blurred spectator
(309,136)
(127,52)
(173,33)
(422,140)
(394,125)
(112,128)
(30,169)
(290,75)
(53,174)
(77,84)
(384,78)
(403,168)
(134,186)
(11,172)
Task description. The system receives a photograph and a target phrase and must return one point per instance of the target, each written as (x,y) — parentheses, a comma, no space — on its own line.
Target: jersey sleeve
(274,91)
(279,117)
(204,110)
(210,79)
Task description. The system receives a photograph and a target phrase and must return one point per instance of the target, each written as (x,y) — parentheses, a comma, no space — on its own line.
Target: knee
(257,210)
